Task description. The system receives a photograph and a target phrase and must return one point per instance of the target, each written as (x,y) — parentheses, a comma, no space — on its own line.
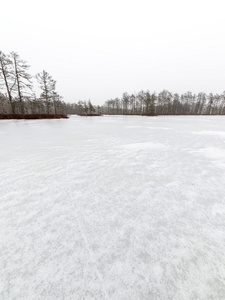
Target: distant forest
(17,97)
(163,103)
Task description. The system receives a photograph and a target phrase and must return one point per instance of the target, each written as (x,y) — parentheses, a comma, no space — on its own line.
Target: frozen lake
(113,207)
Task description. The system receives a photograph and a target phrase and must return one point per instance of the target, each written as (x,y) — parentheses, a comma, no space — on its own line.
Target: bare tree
(7,77)
(125,101)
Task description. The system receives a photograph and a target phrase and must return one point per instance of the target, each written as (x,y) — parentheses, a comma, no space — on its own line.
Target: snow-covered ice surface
(113,208)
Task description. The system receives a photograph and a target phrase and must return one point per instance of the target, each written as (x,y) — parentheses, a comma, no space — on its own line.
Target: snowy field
(113,208)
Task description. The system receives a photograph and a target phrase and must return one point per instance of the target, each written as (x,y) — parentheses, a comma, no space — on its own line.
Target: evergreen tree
(47,85)
(22,78)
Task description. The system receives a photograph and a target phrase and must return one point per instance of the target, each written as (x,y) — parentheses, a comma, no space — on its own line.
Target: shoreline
(32,116)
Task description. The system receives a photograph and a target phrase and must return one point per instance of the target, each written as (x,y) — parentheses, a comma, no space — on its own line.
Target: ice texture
(113,207)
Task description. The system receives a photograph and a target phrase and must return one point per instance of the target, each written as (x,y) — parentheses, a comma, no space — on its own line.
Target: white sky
(98,49)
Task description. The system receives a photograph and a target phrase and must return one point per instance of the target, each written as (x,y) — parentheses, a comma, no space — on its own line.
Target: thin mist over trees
(17,97)
(150,104)
(166,103)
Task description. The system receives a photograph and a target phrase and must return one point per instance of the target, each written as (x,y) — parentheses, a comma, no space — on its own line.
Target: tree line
(163,103)
(166,103)
(17,97)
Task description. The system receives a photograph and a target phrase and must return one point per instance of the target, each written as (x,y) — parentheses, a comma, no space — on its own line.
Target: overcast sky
(98,49)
